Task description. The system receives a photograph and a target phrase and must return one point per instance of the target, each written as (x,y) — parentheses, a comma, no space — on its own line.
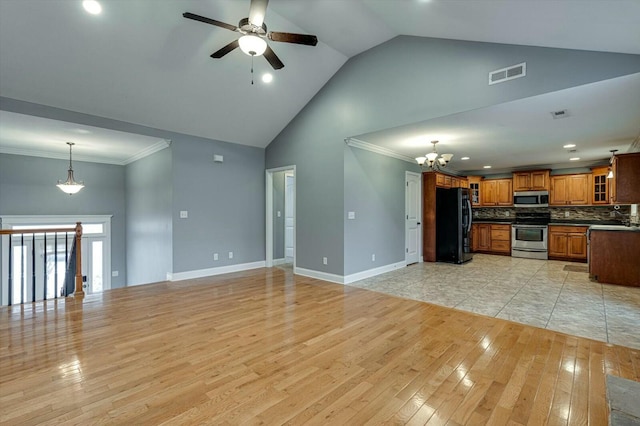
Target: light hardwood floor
(266,347)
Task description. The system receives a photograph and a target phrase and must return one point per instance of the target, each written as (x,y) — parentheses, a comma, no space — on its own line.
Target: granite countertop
(508,220)
(614,228)
(569,222)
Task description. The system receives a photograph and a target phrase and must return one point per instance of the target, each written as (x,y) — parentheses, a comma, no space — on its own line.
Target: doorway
(280,216)
(48,259)
(413,213)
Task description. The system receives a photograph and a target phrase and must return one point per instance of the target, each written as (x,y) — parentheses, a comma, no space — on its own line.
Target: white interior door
(289,200)
(93,264)
(412,217)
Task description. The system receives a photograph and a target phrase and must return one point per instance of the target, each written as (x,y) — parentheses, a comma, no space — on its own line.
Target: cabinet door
(504,192)
(521,181)
(540,180)
(474,237)
(578,189)
(488,192)
(455,182)
(558,193)
(626,173)
(558,244)
(484,237)
(439,179)
(577,245)
(475,193)
(600,185)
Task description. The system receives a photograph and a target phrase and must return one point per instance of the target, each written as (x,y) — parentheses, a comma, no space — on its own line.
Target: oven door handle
(530,250)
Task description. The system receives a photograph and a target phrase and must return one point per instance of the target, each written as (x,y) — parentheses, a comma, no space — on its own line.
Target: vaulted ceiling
(141,62)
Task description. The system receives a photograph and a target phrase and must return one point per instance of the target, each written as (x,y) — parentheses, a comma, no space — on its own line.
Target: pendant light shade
(70,186)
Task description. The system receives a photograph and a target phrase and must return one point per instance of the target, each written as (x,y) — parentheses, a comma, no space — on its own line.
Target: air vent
(509,73)
(563,113)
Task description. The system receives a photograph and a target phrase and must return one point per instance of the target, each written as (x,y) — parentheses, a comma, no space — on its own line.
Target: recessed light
(574,158)
(267,78)
(487,167)
(92,6)
(569,145)
(464,158)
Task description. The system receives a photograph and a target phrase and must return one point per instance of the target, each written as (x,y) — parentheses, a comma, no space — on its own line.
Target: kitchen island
(614,254)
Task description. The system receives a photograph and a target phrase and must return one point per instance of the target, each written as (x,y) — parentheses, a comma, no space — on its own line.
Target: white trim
(325,276)
(200,273)
(373,272)
(280,261)
(356,143)
(158,146)
(269,213)
(347,279)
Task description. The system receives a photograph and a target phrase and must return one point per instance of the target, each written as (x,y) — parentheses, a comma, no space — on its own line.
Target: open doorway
(280,216)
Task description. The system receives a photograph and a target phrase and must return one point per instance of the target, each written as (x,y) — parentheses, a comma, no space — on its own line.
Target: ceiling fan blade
(209,21)
(273,60)
(307,39)
(228,48)
(257,12)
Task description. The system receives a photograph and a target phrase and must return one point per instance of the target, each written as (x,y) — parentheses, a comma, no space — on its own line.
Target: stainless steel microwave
(531,199)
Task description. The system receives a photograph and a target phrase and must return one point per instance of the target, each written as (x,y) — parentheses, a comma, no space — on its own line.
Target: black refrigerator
(453,225)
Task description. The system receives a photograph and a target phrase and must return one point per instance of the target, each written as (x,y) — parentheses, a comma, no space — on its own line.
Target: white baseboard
(325,276)
(373,272)
(281,261)
(347,279)
(179,276)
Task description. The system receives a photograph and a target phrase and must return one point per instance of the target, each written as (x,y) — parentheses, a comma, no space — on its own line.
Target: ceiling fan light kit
(254,35)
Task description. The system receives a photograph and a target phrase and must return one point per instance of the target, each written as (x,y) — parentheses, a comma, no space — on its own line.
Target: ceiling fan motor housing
(247,27)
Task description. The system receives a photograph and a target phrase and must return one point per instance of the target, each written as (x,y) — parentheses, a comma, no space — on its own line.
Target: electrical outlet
(351,215)
(278,213)
(612,213)
(230,255)
(373,257)
(566,214)
(324,260)
(184,214)
(507,214)
(215,256)
(115,273)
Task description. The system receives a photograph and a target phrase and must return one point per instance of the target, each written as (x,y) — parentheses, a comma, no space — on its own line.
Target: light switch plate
(351,215)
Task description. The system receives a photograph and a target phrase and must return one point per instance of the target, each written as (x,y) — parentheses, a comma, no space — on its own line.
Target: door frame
(269,213)
(420,219)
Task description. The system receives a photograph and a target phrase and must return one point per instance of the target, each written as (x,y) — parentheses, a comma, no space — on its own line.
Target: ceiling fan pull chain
(252,69)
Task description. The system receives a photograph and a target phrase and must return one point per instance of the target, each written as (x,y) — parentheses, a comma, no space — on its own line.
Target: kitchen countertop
(614,228)
(507,221)
(569,222)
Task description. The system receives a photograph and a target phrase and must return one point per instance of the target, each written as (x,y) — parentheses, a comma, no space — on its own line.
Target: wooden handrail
(78,292)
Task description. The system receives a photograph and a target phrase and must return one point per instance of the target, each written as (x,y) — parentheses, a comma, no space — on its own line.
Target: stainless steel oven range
(529,235)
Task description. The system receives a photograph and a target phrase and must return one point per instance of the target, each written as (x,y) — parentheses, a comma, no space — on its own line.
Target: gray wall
(374,189)
(405,80)
(27,187)
(278,222)
(225,202)
(148,184)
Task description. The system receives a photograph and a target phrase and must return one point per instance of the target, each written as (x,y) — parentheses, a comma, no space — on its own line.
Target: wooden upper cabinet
(496,192)
(537,180)
(600,185)
(570,189)
(474,186)
(625,187)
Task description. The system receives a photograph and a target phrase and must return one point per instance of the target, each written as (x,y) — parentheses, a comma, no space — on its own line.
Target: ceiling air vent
(509,73)
(563,113)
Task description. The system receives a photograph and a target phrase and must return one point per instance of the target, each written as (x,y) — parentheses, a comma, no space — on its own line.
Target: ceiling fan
(254,32)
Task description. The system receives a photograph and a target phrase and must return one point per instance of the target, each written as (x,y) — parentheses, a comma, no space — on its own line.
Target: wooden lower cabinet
(568,243)
(491,238)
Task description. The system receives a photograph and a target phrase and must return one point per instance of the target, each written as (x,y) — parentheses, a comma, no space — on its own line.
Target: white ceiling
(141,62)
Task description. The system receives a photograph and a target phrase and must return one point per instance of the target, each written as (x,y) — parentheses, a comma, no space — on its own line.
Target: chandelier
(70,186)
(431,160)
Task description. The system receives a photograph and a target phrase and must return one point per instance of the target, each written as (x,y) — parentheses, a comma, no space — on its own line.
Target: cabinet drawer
(568,229)
(501,246)
(500,235)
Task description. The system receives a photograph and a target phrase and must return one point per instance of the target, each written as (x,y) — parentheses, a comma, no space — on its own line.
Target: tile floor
(534,292)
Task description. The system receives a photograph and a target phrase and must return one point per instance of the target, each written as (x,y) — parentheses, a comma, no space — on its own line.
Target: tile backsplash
(590,213)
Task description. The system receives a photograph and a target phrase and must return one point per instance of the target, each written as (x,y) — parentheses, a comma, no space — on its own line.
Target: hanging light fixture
(613,155)
(431,160)
(252,45)
(70,186)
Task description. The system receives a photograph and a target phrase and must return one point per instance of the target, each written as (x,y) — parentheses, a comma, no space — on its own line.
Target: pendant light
(613,154)
(70,186)
(431,160)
